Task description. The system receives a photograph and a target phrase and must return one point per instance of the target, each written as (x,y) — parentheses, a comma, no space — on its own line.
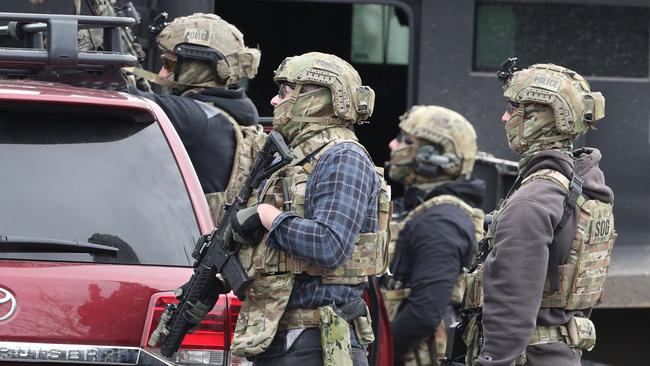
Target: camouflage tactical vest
(248,142)
(581,279)
(273,270)
(432,349)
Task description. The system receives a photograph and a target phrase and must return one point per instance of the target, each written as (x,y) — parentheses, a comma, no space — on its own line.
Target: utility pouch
(266,301)
(335,338)
(582,333)
(393,300)
(473,338)
(363,329)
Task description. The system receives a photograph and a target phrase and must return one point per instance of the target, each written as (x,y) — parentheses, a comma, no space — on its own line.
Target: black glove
(247,227)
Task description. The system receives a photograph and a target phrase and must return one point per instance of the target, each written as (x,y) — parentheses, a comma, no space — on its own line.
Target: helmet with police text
(575,108)
(443,146)
(209,51)
(326,90)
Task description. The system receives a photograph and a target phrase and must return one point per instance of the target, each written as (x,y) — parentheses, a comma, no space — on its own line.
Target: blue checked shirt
(340,202)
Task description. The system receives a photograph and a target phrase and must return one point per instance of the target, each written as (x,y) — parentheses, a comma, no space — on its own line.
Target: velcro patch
(545,82)
(196,35)
(601,229)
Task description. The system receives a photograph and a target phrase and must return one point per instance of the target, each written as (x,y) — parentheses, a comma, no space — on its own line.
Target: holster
(355,311)
(335,338)
(456,349)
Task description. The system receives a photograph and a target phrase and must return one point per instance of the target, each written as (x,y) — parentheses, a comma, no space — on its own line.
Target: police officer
(326,214)
(434,230)
(204,58)
(550,242)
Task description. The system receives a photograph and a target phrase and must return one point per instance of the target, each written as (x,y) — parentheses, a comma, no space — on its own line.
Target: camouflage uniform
(315,124)
(435,233)
(550,242)
(222,139)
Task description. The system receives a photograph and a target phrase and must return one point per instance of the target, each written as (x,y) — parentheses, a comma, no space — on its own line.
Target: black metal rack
(53,41)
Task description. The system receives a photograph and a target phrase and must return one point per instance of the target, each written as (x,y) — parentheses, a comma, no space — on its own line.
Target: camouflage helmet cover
(351,101)
(576,108)
(446,128)
(210,30)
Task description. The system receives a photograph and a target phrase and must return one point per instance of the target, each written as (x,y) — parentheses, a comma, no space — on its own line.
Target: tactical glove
(246,226)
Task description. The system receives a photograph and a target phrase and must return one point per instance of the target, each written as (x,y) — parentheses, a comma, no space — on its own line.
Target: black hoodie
(433,247)
(515,269)
(207,135)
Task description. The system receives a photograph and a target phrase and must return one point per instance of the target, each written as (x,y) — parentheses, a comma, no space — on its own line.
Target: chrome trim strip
(149,358)
(68,353)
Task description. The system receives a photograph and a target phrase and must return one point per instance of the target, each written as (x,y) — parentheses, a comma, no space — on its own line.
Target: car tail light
(210,342)
(234,306)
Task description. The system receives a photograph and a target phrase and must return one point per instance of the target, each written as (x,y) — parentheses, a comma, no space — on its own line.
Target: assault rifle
(217,253)
(107,8)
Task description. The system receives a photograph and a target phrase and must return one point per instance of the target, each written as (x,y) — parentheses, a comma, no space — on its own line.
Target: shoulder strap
(573,197)
(311,163)
(239,137)
(441,200)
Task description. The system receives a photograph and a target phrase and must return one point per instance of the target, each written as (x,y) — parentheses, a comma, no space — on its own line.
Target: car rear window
(93,178)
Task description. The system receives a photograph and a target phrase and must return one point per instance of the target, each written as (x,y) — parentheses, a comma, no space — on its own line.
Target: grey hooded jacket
(515,269)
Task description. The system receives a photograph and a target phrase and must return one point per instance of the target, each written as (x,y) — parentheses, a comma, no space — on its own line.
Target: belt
(310,318)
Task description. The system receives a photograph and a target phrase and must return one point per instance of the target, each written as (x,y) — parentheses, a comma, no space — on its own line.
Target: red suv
(101,210)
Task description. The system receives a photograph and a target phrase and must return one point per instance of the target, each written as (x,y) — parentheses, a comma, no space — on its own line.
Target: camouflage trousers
(307,350)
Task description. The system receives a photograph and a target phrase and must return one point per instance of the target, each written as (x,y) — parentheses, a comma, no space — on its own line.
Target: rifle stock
(215,254)
(106,8)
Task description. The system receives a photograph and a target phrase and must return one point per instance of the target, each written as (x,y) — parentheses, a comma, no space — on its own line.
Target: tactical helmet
(576,108)
(351,101)
(208,38)
(445,146)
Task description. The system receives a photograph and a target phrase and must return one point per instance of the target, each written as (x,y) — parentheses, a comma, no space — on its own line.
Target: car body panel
(80,303)
(89,303)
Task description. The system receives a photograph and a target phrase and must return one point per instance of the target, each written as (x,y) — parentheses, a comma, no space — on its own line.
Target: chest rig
(248,142)
(432,349)
(576,285)
(286,191)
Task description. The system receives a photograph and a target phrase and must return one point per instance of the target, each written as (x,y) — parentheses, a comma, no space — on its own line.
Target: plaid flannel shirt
(340,202)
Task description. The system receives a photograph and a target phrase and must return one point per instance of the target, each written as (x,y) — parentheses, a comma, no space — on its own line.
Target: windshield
(96,179)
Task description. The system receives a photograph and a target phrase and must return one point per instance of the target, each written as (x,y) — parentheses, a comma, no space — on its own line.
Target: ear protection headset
(429,162)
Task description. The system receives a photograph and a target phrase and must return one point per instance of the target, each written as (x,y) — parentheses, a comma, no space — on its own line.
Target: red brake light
(208,344)
(210,333)
(234,307)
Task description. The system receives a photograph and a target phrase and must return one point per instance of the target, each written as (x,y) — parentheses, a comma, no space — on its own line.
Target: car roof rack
(51,52)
